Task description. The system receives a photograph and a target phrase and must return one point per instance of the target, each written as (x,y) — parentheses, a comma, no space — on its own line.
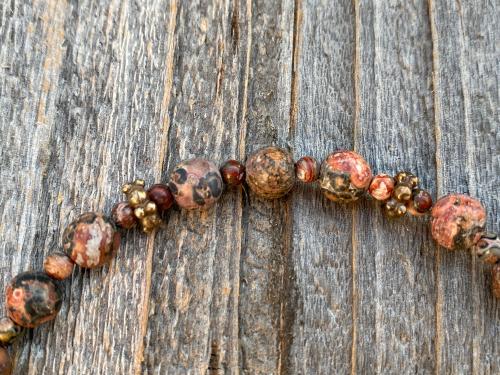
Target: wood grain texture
(94,93)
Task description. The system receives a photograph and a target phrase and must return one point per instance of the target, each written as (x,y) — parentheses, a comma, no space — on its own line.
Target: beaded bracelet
(32,298)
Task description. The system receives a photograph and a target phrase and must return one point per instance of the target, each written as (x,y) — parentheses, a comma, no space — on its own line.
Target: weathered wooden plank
(394,258)
(322,230)
(459,342)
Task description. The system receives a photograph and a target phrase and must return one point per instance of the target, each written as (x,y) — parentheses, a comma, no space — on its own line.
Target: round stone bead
(233,173)
(32,298)
(196,183)
(344,176)
(9,331)
(420,203)
(123,215)
(161,195)
(58,266)
(91,240)
(5,362)
(307,169)
(270,172)
(457,221)
(495,282)
(381,187)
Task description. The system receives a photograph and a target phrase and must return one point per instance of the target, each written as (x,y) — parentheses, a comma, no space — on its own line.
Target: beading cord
(32,298)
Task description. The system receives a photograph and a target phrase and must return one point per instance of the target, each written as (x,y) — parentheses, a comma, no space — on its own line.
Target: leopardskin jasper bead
(307,169)
(457,221)
(9,331)
(5,362)
(58,266)
(270,172)
(381,187)
(196,183)
(123,215)
(91,240)
(344,176)
(32,298)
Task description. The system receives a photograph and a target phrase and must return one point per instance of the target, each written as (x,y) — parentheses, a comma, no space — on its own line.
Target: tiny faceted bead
(344,176)
(381,187)
(123,215)
(91,240)
(307,169)
(5,362)
(495,282)
(58,266)
(394,208)
(161,195)
(487,248)
(196,183)
(457,221)
(32,298)
(270,172)
(233,173)
(9,331)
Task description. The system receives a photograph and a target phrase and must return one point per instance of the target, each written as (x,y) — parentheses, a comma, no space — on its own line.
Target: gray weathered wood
(97,92)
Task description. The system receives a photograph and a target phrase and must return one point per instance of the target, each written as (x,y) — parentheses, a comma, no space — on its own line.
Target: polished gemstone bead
(161,195)
(344,176)
(5,362)
(381,187)
(91,240)
(9,331)
(394,208)
(457,221)
(123,215)
(270,172)
(58,266)
(421,202)
(307,169)
(32,298)
(196,183)
(495,282)
(233,173)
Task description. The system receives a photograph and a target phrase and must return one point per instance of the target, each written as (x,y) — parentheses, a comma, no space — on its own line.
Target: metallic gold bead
(139,212)
(140,182)
(150,223)
(402,193)
(126,188)
(137,197)
(150,208)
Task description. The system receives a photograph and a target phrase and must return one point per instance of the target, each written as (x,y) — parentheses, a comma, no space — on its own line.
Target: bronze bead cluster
(91,240)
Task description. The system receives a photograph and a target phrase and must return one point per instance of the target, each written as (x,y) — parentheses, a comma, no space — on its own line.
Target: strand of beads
(90,241)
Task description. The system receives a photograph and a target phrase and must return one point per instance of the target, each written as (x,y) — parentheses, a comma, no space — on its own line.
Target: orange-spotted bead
(381,187)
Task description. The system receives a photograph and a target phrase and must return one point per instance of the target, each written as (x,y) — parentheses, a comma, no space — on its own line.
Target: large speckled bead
(344,176)
(457,221)
(5,362)
(270,172)
(32,298)
(196,183)
(91,240)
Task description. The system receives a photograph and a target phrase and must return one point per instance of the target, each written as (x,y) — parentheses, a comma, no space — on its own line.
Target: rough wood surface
(96,92)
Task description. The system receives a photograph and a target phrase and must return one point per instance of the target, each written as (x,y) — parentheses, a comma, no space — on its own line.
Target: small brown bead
(307,169)
(91,240)
(233,173)
(495,282)
(381,187)
(5,362)
(487,248)
(32,298)
(196,183)
(161,195)
(123,215)
(407,178)
(421,201)
(344,176)
(402,192)
(270,172)
(9,331)
(394,208)
(58,266)
(457,221)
